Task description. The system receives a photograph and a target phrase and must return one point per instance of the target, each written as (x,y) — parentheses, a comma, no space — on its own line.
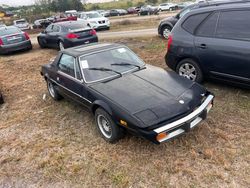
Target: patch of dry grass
(55,144)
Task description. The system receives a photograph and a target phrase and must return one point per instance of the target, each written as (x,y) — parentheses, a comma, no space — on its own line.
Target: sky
(17,2)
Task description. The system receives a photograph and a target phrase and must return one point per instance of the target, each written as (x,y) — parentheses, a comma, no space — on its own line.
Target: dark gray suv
(213,42)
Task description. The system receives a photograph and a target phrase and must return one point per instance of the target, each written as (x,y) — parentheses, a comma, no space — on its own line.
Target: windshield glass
(120,60)
(93,15)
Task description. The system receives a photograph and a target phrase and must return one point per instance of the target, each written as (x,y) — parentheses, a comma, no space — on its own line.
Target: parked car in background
(66,34)
(106,13)
(41,23)
(213,42)
(132,10)
(12,39)
(63,18)
(183,5)
(166,25)
(21,24)
(94,20)
(1,98)
(148,10)
(117,12)
(113,83)
(167,6)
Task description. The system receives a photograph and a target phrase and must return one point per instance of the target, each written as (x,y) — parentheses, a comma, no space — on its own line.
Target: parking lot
(47,143)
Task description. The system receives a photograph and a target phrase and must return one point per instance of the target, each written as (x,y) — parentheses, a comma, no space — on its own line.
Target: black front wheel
(188,68)
(52,91)
(106,126)
(41,43)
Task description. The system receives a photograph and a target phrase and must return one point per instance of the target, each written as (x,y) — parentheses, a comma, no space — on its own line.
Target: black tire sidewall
(116,131)
(57,95)
(199,77)
(165,27)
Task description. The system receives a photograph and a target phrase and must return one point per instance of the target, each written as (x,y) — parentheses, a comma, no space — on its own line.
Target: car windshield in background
(108,64)
(21,22)
(93,15)
(9,31)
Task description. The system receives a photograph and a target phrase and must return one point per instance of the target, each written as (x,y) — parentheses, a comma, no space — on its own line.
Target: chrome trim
(187,118)
(195,122)
(69,90)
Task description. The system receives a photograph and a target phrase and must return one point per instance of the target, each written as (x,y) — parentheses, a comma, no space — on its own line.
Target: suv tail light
(1,42)
(92,32)
(26,36)
(72,36)
(170,40)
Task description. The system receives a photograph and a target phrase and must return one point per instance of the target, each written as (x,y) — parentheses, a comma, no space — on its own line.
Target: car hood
(153,95)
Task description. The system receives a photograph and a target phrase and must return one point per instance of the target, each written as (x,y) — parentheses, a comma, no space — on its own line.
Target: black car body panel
(57,32)
(220,58)
(147,99)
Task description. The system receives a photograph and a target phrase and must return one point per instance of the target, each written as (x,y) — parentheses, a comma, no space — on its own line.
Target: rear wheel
(188,68)
(106,126)
(61,46)
(166,30)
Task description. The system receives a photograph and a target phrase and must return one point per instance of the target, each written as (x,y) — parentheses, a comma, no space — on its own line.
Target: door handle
(203,46)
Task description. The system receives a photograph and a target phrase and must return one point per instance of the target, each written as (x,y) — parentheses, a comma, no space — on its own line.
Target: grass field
(55,144)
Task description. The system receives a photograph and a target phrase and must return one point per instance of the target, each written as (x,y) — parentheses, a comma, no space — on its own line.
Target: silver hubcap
(51,89)
(104,126)
(188,71)
(61,46)
(166,33)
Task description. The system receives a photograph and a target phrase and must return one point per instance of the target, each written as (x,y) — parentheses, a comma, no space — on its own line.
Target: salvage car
(216,44)
(124,93)
(21,24)
(148,10)
(12,39)
(66,34)
(94,20)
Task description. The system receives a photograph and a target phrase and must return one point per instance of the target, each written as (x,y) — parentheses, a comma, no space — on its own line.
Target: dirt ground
(44,143)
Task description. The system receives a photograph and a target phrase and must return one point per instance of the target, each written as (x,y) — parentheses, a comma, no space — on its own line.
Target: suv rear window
(191,23)
(234,25)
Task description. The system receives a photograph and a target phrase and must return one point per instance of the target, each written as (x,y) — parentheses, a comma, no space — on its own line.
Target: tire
(61,45)
(1,99)
(188,68)
(41,43)
(53,92)
(106,126)
(165,31)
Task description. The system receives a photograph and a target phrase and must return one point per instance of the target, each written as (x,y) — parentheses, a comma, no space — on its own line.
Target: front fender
(99,103)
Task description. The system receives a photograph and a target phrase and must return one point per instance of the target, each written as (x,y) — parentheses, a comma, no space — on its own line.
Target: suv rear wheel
(188,68)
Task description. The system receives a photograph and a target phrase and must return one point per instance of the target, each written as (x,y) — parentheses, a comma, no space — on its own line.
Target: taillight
(72,36)
(26,36)
(1,42)
(170,40)
(92,32)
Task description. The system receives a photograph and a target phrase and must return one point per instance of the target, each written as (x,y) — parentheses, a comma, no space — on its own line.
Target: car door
(226,49)
(54,35)
(69,80)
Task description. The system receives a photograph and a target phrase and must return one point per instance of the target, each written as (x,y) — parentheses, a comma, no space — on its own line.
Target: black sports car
(126,94)
(66,34)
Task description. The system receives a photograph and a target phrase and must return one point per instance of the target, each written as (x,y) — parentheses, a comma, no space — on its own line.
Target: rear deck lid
(11,35)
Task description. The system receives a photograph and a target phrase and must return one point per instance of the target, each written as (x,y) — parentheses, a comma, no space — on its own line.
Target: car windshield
(21,22)
(109,64)
(93,15)
(9,31)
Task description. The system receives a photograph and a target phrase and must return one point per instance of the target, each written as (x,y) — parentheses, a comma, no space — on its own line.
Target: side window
(234,25)
(66,65)
(191,23)
(56,28)
(207,28)
(49,28)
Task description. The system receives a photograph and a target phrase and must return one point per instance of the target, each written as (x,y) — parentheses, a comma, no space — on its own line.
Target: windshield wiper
(126,64)
(105,69)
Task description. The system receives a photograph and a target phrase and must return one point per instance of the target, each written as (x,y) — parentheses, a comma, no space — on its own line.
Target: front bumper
(182,125)
(15,47)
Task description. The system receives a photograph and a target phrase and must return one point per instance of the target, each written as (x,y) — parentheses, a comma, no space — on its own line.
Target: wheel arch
(100,104)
